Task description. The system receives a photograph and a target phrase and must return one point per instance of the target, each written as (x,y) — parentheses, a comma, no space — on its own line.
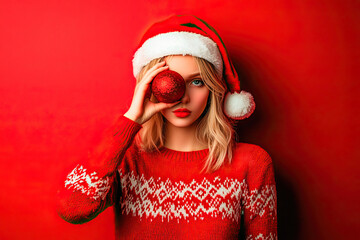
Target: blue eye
(197,82)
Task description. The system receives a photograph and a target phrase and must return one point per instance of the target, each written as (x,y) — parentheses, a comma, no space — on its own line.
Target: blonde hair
(213,128)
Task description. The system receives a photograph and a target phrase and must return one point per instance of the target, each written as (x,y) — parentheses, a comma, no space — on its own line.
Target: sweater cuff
(129,127)
(135,125)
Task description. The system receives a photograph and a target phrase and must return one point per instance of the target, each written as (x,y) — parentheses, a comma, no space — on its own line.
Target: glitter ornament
(168,86)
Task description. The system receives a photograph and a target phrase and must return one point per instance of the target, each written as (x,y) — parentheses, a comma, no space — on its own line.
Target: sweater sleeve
(92,185)
(260,201)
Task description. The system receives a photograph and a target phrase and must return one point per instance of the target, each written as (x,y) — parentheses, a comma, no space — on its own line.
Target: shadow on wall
(288,205)
(288,209)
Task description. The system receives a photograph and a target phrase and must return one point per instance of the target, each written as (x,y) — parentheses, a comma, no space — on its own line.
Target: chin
(181,123)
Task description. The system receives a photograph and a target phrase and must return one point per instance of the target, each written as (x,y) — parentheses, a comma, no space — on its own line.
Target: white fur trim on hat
(239,105)
(176,43)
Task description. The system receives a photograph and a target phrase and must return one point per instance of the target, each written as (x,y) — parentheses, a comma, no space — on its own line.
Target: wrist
(132,117)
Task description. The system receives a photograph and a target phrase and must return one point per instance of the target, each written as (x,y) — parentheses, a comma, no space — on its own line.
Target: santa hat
(190,35)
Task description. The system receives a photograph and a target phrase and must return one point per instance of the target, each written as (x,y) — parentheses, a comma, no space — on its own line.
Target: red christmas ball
(168,86)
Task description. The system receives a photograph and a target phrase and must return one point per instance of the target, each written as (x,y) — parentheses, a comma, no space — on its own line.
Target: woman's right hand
(142,109)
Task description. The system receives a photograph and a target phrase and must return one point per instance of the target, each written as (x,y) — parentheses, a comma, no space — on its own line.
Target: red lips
(182,112)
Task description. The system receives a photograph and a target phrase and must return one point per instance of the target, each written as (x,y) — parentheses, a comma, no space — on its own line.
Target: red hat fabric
(190,35)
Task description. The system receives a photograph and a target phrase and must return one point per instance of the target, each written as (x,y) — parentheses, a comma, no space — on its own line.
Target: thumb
(161,106)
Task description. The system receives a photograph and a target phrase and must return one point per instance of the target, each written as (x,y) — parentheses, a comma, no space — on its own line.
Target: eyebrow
(194,75)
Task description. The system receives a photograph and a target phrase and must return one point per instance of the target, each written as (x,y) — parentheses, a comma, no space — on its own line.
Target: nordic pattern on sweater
(89,184)
(169,200)
(146,197)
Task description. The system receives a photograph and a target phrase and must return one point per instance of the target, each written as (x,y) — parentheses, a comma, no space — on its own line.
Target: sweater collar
(197,155)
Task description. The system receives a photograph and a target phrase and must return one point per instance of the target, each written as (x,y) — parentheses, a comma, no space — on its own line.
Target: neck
(182,138)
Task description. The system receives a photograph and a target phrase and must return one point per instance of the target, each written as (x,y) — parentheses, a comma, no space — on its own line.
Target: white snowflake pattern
(88,184)
(170,200)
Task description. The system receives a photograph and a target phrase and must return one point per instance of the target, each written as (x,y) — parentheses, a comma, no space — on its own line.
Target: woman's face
(196,95)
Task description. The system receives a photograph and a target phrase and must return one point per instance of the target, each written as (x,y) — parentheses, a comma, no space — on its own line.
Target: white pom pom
(239,105)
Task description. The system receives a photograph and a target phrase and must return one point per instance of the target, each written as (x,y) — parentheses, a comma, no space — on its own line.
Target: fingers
(157,68)
(141,107)
(144,84)
(153,72)
(149,76)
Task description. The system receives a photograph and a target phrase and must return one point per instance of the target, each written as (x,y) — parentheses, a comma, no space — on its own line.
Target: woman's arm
(260,201)
(91,186)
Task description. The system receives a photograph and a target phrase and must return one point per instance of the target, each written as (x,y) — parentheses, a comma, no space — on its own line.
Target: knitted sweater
(162,195)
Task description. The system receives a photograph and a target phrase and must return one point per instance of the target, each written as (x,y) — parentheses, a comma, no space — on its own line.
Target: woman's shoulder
(251,154)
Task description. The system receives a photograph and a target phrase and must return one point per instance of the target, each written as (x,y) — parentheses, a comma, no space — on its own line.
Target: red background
(65,70)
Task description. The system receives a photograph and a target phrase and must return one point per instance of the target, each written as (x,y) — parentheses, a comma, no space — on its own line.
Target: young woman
(174,171)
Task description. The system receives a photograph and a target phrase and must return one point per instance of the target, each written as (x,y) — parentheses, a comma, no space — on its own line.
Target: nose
(186,97)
